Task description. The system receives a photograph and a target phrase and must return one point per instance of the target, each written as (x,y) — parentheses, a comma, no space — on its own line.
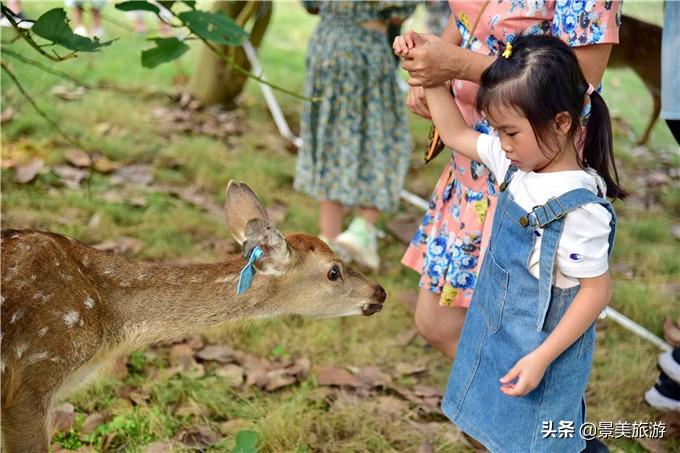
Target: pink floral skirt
(446,248)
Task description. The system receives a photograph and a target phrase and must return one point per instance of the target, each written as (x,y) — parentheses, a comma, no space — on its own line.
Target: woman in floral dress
(449,244)
(356,139)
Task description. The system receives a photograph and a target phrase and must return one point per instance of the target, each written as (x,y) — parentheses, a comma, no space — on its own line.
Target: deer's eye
(334,273)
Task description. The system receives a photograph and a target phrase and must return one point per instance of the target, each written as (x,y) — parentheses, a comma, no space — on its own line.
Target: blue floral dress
(356,139)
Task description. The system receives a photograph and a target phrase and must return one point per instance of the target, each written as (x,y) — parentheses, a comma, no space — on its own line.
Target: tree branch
(89,86)
(35,106)
(230,61)
(26,35)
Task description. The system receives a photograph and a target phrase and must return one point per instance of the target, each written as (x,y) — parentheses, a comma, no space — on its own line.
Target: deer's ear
(276,254)
(242,205)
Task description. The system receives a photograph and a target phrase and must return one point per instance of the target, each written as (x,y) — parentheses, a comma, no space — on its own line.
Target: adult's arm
(437,61)
(415,101)
(593,61)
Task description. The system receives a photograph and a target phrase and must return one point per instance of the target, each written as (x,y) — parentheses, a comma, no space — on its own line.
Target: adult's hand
(415,101)
(432,63)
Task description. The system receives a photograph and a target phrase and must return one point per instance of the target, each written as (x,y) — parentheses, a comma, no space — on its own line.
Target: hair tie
(590,90)
(508,50)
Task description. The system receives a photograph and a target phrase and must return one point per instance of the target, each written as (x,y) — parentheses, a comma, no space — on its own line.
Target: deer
(68,309)
(639,48)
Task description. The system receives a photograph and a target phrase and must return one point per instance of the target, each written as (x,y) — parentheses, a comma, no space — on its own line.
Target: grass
(169,229)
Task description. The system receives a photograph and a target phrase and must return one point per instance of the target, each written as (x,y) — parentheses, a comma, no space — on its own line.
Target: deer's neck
(151,302)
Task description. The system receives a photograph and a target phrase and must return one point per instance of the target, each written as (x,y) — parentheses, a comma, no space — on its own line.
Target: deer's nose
(380,295)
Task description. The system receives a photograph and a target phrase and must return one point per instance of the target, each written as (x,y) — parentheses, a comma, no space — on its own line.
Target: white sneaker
(360,240)
(80,30)
(661,402)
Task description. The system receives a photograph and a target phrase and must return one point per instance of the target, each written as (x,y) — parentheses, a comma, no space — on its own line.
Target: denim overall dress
(511,314)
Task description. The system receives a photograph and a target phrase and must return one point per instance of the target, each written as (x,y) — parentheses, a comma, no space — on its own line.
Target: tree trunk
(213,80)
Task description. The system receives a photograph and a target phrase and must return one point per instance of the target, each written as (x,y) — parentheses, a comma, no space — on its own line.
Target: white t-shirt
(583,248)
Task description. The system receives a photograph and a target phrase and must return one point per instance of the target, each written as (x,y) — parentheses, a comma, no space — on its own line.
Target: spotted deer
(68,308)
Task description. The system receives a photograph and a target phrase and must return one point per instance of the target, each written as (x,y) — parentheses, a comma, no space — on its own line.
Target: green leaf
(216,27)
(191,4)
(167,4)
(138,6)
(167,49)
(53,26)
(246,442)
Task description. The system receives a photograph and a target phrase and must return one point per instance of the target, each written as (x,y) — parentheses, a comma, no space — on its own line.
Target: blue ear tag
(245,278)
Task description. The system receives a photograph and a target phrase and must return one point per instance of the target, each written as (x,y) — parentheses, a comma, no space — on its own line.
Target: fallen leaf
(113,196)
(218,353)
(68,93)
(135,394)
(198,437)
(137,202)
(391,406)
(7,162)
(6,115)
(95,220)
(232,426)
(121,245)
(195,341)
(69,176)
(331,375)
(191,408)
(103,164)
(251,361)
(92,422)
(191,196)
(675,229)
(408,369)
(231,374)
(300,369)
(63,417)
(321,395)
(181,354)
(426,391)
(373,376)
(161,447)
(278,379)
(77,158)
(133,174)
(27,172)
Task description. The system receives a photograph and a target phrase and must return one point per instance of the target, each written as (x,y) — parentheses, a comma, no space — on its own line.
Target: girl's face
(518,139)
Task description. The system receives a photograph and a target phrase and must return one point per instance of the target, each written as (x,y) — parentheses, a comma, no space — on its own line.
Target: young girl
(524,357)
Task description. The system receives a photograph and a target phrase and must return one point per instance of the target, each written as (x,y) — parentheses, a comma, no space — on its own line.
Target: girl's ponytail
(598,149)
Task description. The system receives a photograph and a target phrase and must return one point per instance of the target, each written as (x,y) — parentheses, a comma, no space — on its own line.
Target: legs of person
(370,215)
(440,326)
(359,241)
(14,6)
(77,14)
(330,218)
(97,6)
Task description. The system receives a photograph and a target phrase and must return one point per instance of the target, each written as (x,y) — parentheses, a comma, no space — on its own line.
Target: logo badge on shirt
(576,257)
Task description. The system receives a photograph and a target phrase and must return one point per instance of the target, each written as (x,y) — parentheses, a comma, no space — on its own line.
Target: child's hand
(528,371)
(409,40)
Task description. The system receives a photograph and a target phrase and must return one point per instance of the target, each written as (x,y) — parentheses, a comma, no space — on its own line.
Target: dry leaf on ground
(26,173)
(63,417)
